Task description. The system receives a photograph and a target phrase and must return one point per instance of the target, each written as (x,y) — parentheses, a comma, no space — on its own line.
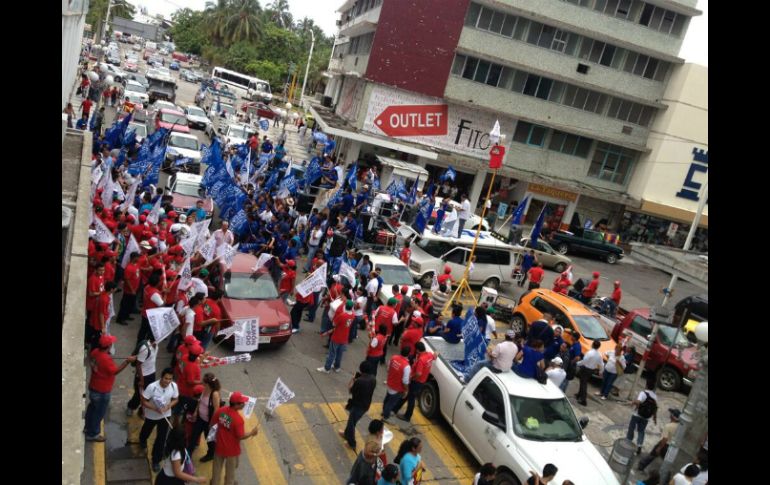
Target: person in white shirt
(638,422)
(687,476)
(555,372)
(499,357)
(312,245)
(702,462)
(491,326)
(145,372)
(372,285)
(615,366)
(590,364)
(224,235)
(359,308)
(157,401)
(465,213)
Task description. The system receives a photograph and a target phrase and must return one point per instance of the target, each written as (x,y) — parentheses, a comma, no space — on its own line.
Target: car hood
(271,313)
(235,140)
(386,293)
(580,461)
(185,152)
(179,128)
(198,119)
(686,355)
(186,202)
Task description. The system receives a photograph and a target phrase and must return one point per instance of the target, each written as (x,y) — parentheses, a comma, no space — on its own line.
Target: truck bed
(450,353)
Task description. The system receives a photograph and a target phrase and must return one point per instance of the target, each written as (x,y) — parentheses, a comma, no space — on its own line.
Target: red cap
(172,214)
(404,290)
(291,263)
(197,389)
(142,218)
(179,259)
(596,274)
(146,212)
(170,274)
(111,225)
(238,398)
(130,218)
(447,269)
(196,349)
(191,339)
(107,340)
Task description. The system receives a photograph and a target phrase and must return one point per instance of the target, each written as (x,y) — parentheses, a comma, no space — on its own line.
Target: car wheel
(426,280)
(429,400)
(506,478)
(612,258)
(518,323)
(493,283)
(562,248)
(669,379)
(560,267)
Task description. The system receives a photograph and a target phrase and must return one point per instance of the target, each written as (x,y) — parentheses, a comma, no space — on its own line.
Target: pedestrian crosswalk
(300,444)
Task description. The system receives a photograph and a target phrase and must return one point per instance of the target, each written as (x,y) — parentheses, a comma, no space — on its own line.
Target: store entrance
(462,183)
(554,214)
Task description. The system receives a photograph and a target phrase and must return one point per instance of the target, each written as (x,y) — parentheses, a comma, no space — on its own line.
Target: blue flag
(518,214)
(239,223)
(376,183)
(538,227)
(475,345)
(423,215)
(431,188)
(182,161)
(313,171)
(589,223)
(264,125)
(289,183)
(336,198)
(449,174)
(351,177)
(330,144)
(394,187)
(114,134)
(271,181)
(413,194)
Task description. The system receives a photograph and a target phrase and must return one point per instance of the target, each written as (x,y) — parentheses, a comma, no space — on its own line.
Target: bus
(247,87)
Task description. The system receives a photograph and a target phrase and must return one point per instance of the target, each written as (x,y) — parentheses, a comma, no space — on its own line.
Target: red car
(249,294)
(180,57)
(172,120)
(261,110)
(186,190)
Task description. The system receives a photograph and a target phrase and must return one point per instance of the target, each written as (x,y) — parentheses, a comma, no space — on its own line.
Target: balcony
(536,110)
(558,66)
(336,66)
(355,64)
(362,24)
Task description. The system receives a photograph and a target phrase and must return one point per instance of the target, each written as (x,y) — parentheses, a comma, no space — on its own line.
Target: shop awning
(338,129)
(404,169)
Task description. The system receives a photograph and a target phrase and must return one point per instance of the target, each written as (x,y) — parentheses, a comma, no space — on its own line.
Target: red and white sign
(414,120)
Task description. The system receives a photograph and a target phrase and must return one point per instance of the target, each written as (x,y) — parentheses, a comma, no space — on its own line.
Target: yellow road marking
(398,438)
(307,446)
(261,455)
(100,470)
(337,415)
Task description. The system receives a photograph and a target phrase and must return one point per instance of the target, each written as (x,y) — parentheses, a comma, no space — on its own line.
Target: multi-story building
(575,84)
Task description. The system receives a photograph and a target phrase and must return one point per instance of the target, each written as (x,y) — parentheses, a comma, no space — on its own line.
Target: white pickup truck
(516,423)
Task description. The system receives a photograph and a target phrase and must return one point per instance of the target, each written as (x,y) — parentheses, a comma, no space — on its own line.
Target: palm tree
(281,14)
(218,14)
(244,22)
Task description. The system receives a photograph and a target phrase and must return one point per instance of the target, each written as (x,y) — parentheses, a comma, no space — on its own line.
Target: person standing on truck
(454,327)
(399,372)
(499,357)
(590,290)
(610,305)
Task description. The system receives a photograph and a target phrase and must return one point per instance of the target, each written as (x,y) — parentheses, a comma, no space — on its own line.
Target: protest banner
(163,321)
(315,282)
(280,395)
(131,247)
(475,345)
(220,361)
(103,234)
(235,328)
(248,339)
(207,250)
(348,272)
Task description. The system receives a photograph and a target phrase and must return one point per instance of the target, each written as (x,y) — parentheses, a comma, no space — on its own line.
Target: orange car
(569,313)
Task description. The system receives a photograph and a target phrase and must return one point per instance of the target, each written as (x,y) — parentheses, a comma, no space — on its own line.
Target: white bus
(247,87)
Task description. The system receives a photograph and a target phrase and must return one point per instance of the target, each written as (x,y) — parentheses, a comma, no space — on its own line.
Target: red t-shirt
(410,337)
(442,280)
(144,262)
(342,322)
(385,316)
(422,366)
(109,272)
(229,432)
(181,357)
(211,309)
(104,371)
(590,290)
(616,296)
(86,105)
(132,276)
(287,282)
(95,284)
(406,253)
(189,374)
(536,274)
(308,300)
(101,307)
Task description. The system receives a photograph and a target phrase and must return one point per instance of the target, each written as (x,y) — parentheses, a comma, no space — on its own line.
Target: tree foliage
(97,9)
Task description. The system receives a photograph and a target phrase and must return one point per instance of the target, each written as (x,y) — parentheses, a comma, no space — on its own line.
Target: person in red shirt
(95,287)
(536,275)
(590,290)
(131,280)
(339,338)
(406,254)
(398,379)
(413,334)
(301,302)
(207,315)
(375,351)
(286,286)
(85,107)
(100,315)
(152,298)
(419,376)
(562,283)
(446,278)
(230,432)
(188,374)
(109,260)
(103,372)
(610,305)
(181,353)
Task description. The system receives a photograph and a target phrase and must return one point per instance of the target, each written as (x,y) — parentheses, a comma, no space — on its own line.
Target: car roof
(243,263)
(485,239)
(172,111)
(184,135)
(131,82)
(188,178)
(389,259)
(570,305)
(529,388)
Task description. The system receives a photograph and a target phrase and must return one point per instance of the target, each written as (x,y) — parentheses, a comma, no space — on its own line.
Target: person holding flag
(443,209)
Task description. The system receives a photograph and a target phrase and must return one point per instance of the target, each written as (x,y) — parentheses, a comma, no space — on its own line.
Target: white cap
(416,314)
(557,361)
(182,218)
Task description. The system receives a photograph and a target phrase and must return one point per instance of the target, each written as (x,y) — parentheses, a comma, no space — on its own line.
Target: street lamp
(307,67)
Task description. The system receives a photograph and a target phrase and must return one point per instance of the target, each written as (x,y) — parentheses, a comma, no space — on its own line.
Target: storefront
(560,204)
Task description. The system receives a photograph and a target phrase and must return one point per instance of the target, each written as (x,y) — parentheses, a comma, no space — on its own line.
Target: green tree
(240,54)
(267,70)
(216,15)
(190,30)
(97,9)
(279,13)
(244,22)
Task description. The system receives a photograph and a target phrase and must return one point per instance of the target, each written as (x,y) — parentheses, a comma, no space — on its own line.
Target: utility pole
(307,67)
(106,19)
(657,316)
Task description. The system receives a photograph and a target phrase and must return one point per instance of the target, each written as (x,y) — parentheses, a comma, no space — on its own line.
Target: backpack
(138,347)
(648,407)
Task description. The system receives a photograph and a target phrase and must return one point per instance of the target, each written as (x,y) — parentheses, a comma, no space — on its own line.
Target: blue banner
(264,124)
(351,177)
(449,174)
(271,181)
(182,161)
(289,183)
(475,345)
(114,134)
(335,199)
(423,215)
(518,214)
(395,187)
(589,223)
(313,171)
(538,227)
(413,194)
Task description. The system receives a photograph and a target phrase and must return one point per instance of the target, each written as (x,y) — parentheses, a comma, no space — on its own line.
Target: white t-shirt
(198,286)
(679,479)
(156,394)
(223,237)
(358,310)
(611,359)
(315,237)
(490,327)
(371,286)
(147,355)
(465,210)
(702,477)
(168,467)
(556,375)
(643,397)
(333,306)
(189,319)
(503,355)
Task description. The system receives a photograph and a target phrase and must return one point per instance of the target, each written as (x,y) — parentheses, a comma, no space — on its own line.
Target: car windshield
(434,248)
(187,189)
(141,130)
(590,327)
(173,118)
(183,142)
(238,132)
(140,79)
(667,336)
(135,88)
(243,286)
(195,111)
(263,88)
(224,107)
(395,275)
(544,419)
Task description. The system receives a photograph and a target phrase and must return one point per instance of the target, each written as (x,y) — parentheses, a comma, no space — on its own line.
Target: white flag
(280,395)
(207,250)
(227,253)
(154,214)
(434,284)
(103,234)
(111,312)
(197,227)
(348,272)
(185,274)
(131,247)
(262,261)
(249,407)
(188,245)
(315,282)
(96,174)
(248,340)
(109,187)
(119,190)
(163,321)
(235,328)
(131,194)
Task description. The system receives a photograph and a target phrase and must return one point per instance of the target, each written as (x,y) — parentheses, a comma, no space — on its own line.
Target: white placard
(131,194)
(315,282)
(249,407)
(280,395)
(103,233)
(163,321)
(248,339)
(154,214)
(348,272)
(262,260)
(208,249)
(236,327)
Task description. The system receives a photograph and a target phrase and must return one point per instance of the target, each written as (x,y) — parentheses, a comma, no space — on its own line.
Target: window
(481,72)
(607,55)
(508,25)
(503,258)
(611,163)
(497,22)
(557,90)
(641,326)
(560,39)
(491,398)
(521,28)
(519,79)
(473,14)
(543,306)
(485,256)
(530,134)
(494,74)
(457,256)
(470,68)
(570,144)
(582,68)
(506,78)
(458,64)
(485,19)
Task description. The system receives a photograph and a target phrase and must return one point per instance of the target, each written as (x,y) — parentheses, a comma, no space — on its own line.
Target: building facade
(576,86)
(73,20)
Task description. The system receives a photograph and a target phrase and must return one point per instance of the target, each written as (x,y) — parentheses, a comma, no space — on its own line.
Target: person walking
(103,372)
(645,407)
(423,362)
(131,278)
(536,275)
(230,433)
(208,405)
(98,120)
(174,458)
(157,401)
(660,448)
(146,354)
(590,364)
(398,379)
(364,470)
(70,112)
(590,290)
(361,388)
(410,461)
(615,366)
(527,262)
(339,339)
(376,348)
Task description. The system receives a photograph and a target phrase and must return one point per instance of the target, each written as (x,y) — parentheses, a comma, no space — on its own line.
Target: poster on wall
(432,121)
(350,99)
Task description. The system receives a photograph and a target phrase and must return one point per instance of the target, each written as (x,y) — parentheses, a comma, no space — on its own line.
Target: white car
(196,117)
(514,422)
(182,145)
(137,90)
(140,129)
(394,272)
(471,223)
(238,134)
(160,104)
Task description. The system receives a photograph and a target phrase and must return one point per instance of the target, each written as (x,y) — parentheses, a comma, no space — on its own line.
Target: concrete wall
(355,63)
(680,129)
(73,371)
(73,19)
(146,31)
(558,66)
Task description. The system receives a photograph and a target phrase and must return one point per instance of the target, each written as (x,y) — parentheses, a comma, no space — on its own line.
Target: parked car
(183,145)
(569,313)
(186,190)
(132,65)
(196,117)
(173,120)
(674,363)
(514,422)
(546,255)
(137,90)
(586,241)
(394,272)
(257,110)
(251,294)
(188,76)
(690,312)
(139,78)
(238,134)
(174,66)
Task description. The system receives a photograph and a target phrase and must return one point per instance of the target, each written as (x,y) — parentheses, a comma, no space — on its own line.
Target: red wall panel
(415,43)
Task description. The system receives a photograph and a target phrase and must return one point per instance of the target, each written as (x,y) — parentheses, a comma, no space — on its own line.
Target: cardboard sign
(280,395)
(163,321)
(248,339)
(315,282)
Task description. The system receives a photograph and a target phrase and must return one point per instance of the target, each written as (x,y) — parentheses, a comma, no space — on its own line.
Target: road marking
(454,459)
(261,455)
(100,470)
(398,438)
(314,462)
(336,415)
